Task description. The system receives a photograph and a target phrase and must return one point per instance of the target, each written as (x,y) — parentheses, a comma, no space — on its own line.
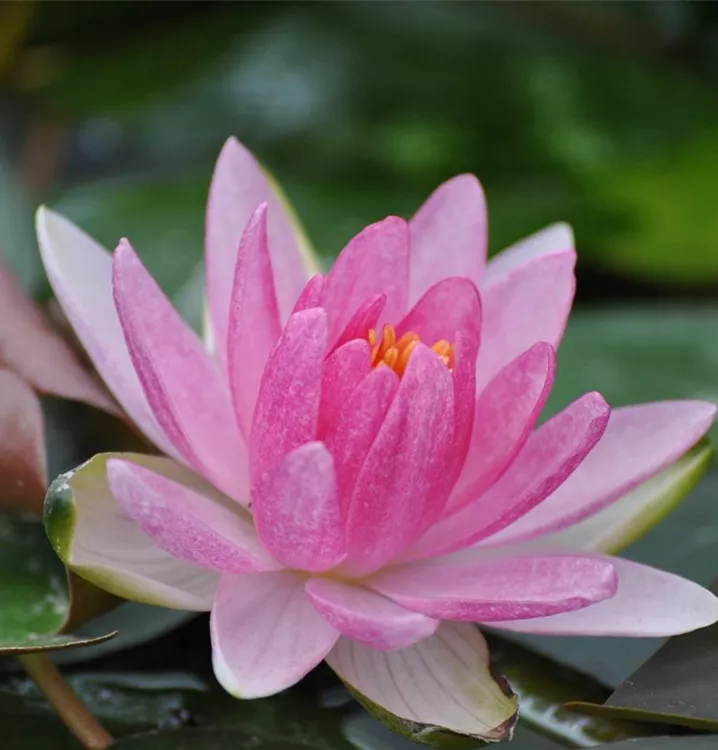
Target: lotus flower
(353,469)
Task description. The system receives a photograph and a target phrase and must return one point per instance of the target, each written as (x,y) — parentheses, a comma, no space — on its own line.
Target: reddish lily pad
(677,685)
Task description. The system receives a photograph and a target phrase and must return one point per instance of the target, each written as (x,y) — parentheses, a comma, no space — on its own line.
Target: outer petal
(80,272)
(550,455)
(95,538)
(239,185)
(510,588)
(22,447)
(367,617)
(265,634)
(449,235)
(506,412)
(296,510)
(402,480)
(253,326)
(442,683)
(375,262)
(344,369)
(527,297)
(639,441)
(648,603)
(287,410)
(195,524)
(29,347)
(627,519)
(183,385)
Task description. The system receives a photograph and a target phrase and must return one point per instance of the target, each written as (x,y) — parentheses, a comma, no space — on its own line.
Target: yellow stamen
(396,354)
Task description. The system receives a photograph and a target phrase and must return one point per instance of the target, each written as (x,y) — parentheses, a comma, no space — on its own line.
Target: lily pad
(709,742)
(202,739)
(678,685)
(35,598)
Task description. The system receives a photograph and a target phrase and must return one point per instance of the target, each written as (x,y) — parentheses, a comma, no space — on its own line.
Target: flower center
(395,354)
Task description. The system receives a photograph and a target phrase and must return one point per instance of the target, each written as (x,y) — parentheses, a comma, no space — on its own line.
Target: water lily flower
(353,469)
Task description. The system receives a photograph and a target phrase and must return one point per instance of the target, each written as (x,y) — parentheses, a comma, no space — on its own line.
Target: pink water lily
(354,469)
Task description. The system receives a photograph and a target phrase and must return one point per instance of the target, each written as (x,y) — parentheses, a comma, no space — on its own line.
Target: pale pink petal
(296,510)
(449,235)
(375,262)
(510,588)
(355,428)
(401,483)
(80,272)
(287,410)
(550,455)
(526,304)
(344,369)
(22,447)
(639,441)
(366,617)
(238,186)
(194,523)
(29,347)
(253,327)
(106,547)
(506,412)
(363,320)
(554,238)
(445,682)
(184,387)
(649,603)
(311,294)
(266,635)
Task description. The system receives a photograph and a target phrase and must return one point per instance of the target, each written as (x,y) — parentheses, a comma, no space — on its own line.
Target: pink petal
(451,305)
(499,589)
(344,369)
(266,635)
(554,238)
(311,294)
(449,235)
(363,320)
(253,318)
(80,272)
(185,390)
(106,547)
(506,412)
(375,262)
(22,447)
(550,455)
(402,480)
(366,617)
(195,524)
(296,510)
(649,603)
(238,186)
(355,427)
(523,305)
(29,347)
(639,442)
(287,410)
(445,681)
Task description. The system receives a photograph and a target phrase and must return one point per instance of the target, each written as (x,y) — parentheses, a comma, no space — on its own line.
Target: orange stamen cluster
(395,354)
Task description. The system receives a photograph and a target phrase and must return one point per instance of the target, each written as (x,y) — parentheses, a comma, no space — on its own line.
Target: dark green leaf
(35,599)
(678,685)
(708,742)
(203,739)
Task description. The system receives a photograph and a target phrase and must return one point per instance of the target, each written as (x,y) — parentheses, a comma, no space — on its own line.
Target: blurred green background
(602,114)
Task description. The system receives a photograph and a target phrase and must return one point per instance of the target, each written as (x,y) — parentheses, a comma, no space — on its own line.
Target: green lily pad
(709,742)
(677,685)
(35,598)
(202,739)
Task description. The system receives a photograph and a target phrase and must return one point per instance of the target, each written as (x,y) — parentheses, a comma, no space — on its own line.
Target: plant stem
(73,712)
